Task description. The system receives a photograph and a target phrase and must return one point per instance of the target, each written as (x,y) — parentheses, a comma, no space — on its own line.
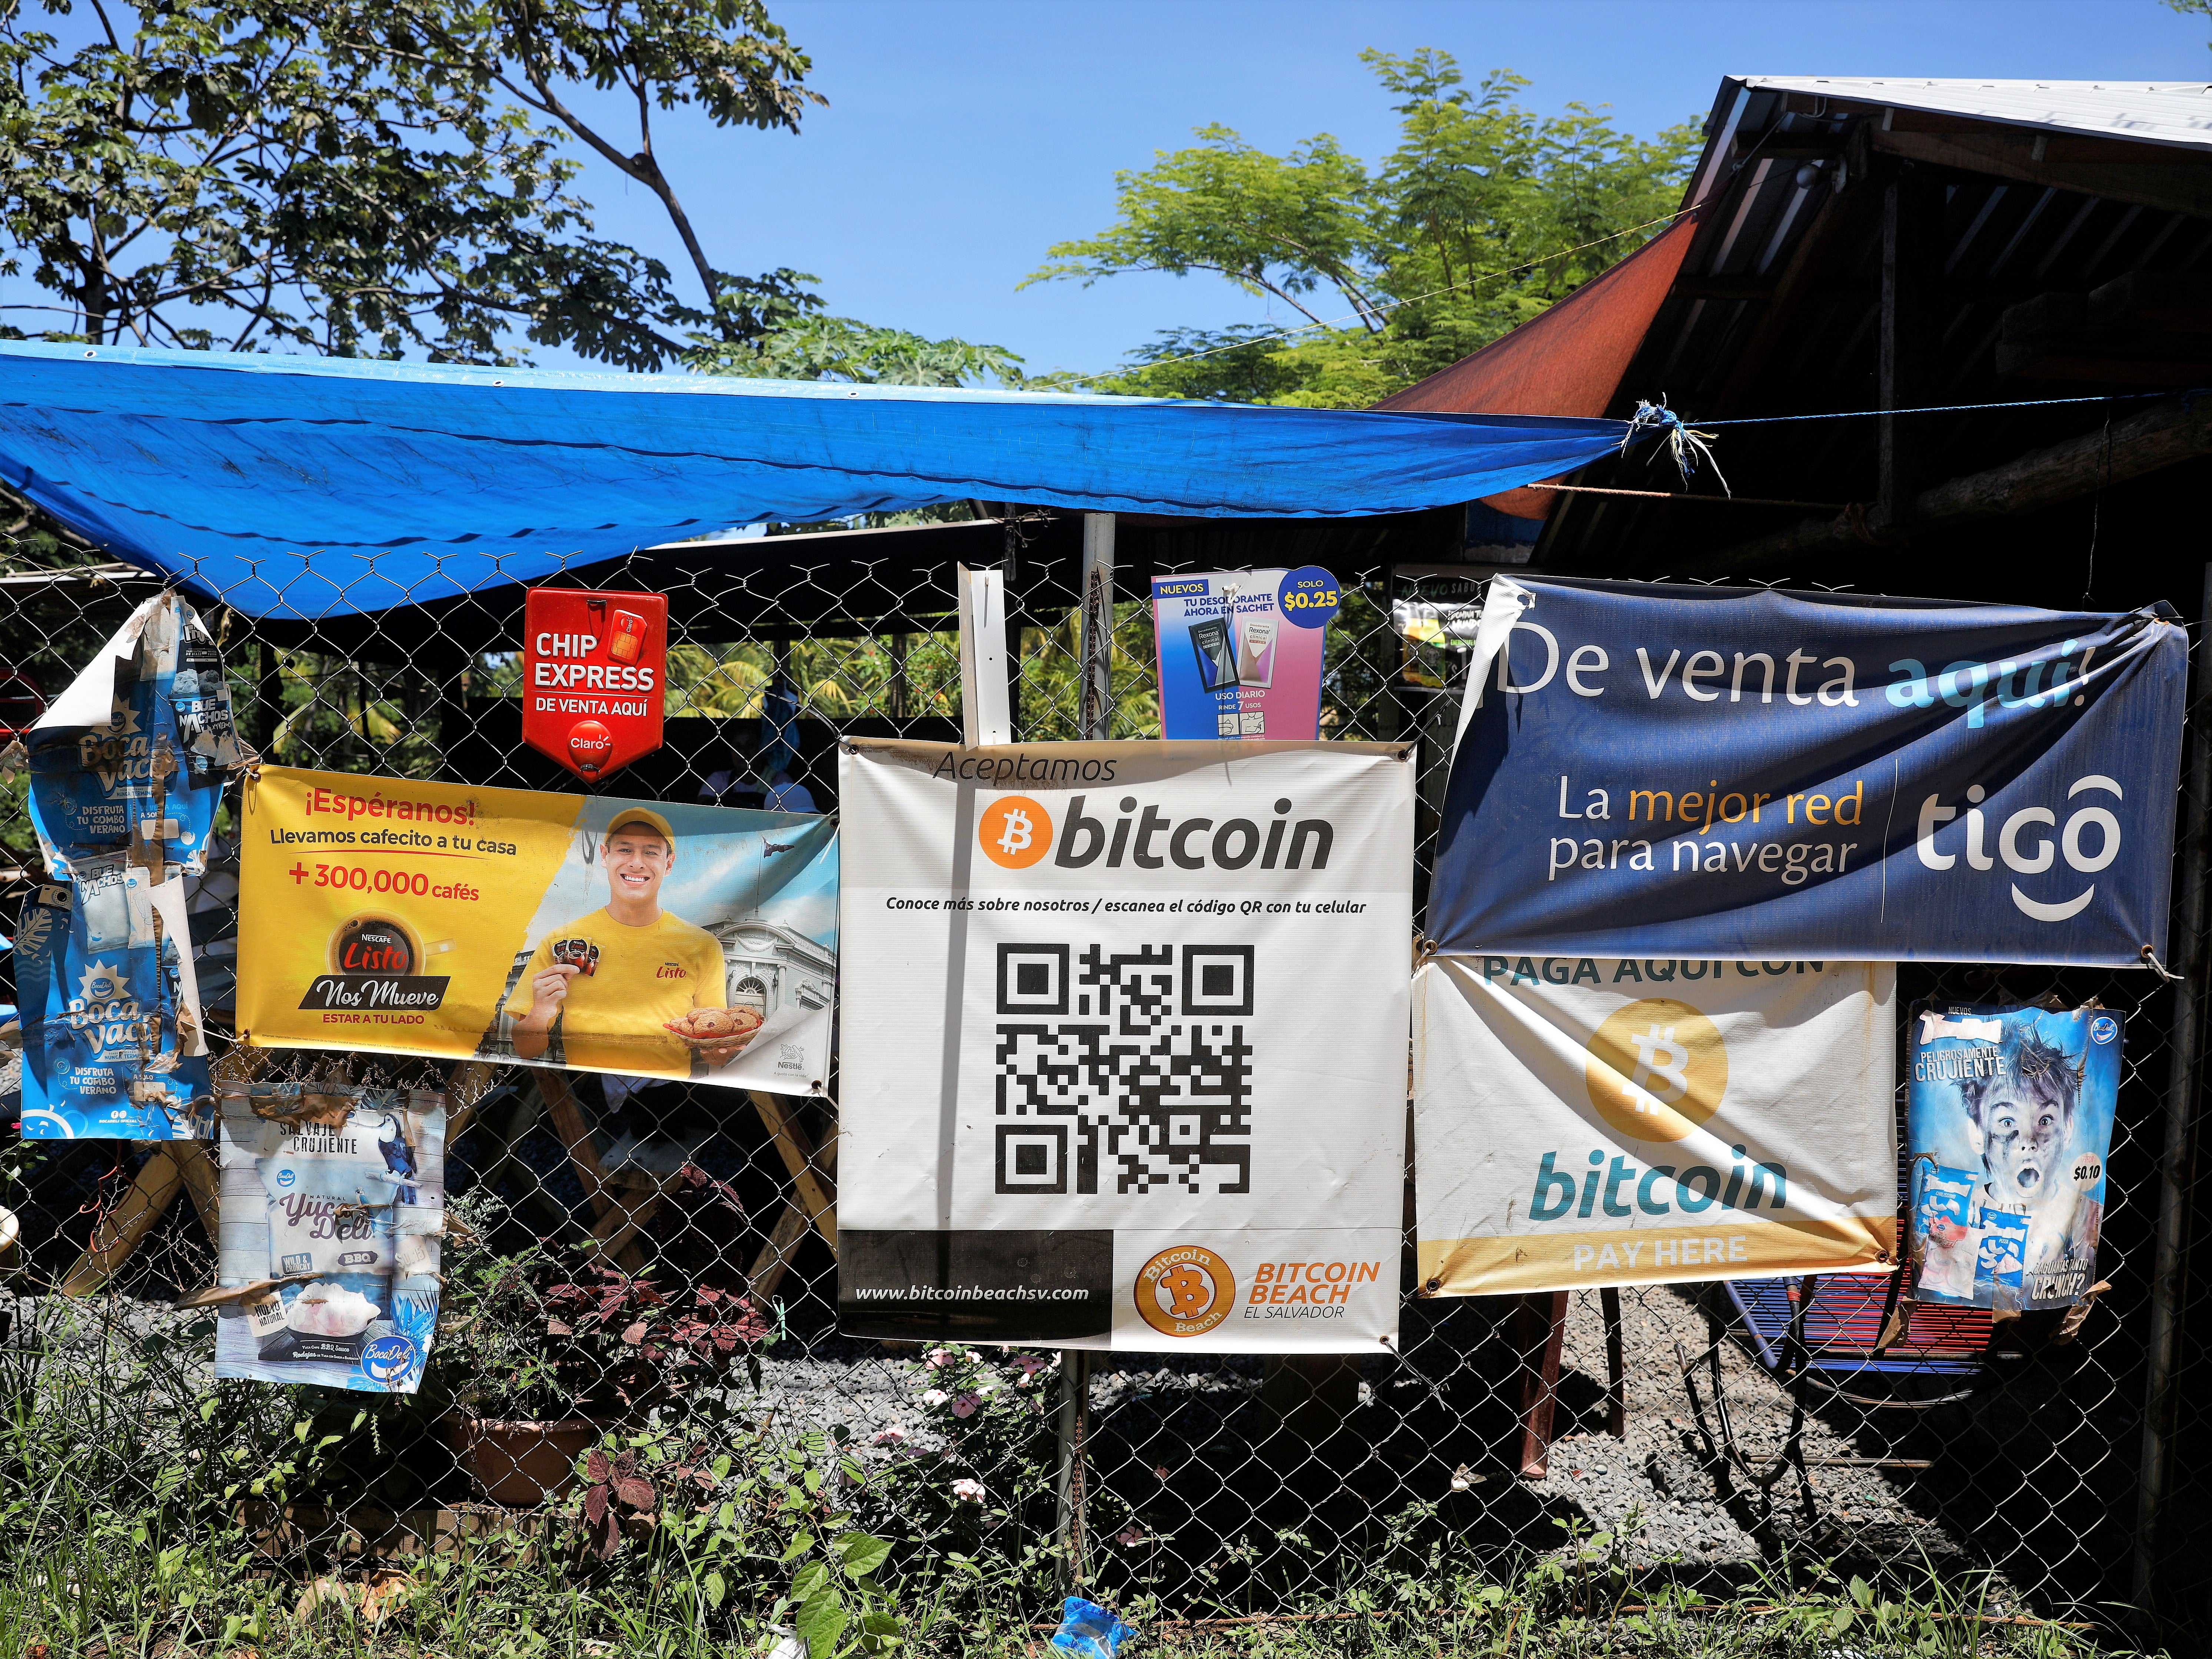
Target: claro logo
(2026,845)
(1016,831)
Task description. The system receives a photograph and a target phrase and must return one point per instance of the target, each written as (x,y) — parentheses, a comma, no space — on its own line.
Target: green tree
(382,177)
(818,348)
(1483,215)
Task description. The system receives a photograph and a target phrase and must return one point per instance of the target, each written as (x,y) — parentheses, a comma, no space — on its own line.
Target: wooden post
(985,719)
(567,1119)
(1912,209)
(775,1255)
(1538,1329)
(1095,709)
(1616,1365)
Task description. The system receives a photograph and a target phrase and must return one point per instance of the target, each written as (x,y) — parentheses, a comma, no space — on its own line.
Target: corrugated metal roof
(2147,111)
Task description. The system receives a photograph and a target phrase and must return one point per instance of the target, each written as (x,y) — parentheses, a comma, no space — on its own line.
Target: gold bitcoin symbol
(1185,1292)
(1190,1289)
(1656,1069)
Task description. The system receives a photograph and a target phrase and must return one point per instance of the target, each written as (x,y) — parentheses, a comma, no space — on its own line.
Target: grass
(139,1601)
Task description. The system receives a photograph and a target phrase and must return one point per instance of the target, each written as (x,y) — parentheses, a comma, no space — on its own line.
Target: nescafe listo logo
(373,944)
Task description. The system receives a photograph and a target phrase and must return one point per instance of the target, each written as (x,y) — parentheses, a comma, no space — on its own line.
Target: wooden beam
(2170,186)
(634,1198)
(1911,266)
(1778,323)
(467,1083)
(775,1255)
(2165,434)
(815,1193)
(122,1229)
(196,1162)
(568,1119)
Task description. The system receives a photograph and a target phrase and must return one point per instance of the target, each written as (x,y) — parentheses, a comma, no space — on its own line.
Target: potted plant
(515,1425)
(540,1360)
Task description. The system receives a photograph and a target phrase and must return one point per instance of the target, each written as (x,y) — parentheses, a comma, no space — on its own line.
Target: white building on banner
(770,967)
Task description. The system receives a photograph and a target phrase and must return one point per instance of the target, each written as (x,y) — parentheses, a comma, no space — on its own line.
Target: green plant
(624,1345)
(492,1358)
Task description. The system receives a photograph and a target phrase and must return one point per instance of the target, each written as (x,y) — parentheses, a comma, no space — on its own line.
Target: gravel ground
(1660,1469)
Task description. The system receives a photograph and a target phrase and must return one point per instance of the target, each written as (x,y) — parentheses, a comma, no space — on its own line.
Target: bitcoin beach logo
(1185,1292)
(1657,1069)
(1015,833)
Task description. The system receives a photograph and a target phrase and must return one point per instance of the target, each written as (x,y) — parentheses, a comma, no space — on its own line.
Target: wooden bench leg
(1539,1328)
(808,1168)
(774,1258)
(120,1232)
(1616,1365)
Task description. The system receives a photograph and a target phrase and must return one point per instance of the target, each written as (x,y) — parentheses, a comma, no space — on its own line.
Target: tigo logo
(1657,1069)
(1015,832)
(1185,1292)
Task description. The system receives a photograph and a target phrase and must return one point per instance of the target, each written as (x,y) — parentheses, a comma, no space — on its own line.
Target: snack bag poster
(2010,1124)
(342,1218)
(112,1048)
(1239,653)
(556,930)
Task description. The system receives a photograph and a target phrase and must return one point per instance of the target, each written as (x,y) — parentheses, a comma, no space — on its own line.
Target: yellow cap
(653,821)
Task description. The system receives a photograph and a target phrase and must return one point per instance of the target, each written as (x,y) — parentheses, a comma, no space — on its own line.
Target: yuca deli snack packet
(335,1195)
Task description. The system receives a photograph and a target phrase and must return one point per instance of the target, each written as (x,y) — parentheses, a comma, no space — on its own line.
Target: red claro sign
(594,673)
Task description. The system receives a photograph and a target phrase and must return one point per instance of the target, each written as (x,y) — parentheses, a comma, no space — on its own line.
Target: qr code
(1130,1065)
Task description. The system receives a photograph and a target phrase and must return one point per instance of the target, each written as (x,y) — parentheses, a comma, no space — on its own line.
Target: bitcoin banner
(1585,1121)
(642,938)
(1131,1071)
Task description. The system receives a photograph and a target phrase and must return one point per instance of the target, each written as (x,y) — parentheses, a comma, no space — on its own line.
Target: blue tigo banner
(1740,773)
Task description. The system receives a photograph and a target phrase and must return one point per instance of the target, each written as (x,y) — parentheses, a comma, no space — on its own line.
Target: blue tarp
(309,487)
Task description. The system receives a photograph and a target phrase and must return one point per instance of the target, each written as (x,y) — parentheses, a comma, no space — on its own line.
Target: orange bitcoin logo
(1015,833)
(1185,1292)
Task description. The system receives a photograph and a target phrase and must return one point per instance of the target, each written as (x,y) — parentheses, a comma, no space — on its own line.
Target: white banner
(1583,1120)
(1124,1048)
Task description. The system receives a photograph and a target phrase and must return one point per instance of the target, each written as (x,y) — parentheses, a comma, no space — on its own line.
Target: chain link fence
(1203,1487)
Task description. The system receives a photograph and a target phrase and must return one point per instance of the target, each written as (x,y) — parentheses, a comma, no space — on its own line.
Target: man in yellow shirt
(612,983)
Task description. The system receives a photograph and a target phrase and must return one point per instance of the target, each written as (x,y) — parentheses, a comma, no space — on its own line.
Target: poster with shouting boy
(2010,1123)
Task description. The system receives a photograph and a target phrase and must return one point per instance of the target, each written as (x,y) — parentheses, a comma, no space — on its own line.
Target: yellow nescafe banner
(640,938)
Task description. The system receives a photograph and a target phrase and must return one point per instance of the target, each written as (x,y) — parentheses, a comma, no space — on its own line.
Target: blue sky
(965,136)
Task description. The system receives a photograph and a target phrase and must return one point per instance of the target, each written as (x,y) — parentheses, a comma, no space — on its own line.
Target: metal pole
(1074,1424)
(1095,711)
(1093,717)
(2169,1271)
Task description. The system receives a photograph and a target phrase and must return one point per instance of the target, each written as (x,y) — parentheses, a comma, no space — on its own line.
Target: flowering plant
(628,1344)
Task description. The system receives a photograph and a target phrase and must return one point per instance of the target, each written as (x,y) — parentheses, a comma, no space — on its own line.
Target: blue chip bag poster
(112,1048)
(333,1204)
(1239,653)
(2010,1123)
(132,757)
